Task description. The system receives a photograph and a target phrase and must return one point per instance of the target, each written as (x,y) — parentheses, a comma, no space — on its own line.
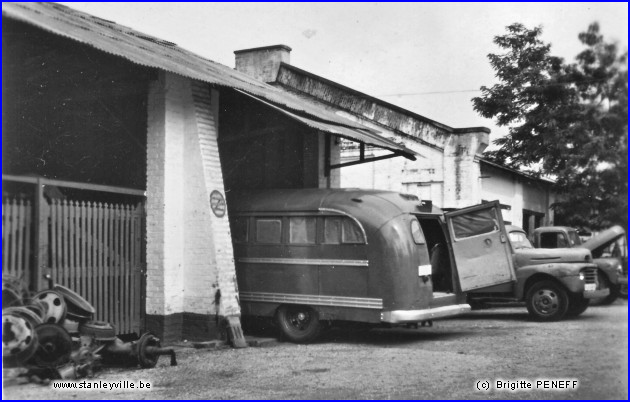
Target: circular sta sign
(217,204)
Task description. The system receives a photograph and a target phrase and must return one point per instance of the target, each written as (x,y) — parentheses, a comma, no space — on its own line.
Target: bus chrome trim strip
(403,316)
(303,261)
(313,300)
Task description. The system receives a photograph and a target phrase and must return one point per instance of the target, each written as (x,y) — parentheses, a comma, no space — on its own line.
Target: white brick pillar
(165,258)
(462,185)
(207,116)
(191,286)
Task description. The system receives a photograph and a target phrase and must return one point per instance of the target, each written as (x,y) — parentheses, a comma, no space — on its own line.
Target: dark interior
(441,267)
(71,112)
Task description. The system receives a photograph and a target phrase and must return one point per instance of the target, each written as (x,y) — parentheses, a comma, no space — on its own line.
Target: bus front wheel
(299,324)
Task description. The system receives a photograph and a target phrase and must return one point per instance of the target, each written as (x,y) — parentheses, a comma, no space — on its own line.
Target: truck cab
(604,247)
(553,283)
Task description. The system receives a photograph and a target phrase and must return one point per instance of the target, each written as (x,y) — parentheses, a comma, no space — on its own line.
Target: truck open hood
(598,243)
(535,256)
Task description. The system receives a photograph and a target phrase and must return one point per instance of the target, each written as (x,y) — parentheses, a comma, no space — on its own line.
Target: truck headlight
(582,276)
(619,269)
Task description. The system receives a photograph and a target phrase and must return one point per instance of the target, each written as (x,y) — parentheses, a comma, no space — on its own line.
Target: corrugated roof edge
(121,41)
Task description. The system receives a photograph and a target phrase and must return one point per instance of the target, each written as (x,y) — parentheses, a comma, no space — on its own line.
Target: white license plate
(589,287)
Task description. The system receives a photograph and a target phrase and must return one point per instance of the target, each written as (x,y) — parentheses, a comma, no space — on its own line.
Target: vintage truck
(604,247)
(553,283)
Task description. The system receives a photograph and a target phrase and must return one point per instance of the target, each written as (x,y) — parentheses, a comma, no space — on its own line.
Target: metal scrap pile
(53,335)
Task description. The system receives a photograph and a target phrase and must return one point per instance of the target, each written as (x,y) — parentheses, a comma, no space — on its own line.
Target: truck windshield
(519,240)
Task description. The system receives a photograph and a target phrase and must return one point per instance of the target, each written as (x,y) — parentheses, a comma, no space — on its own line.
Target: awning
(362,135)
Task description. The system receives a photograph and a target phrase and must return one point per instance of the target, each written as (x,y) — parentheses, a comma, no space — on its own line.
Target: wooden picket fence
(93,248)
(17,219)
(96,251)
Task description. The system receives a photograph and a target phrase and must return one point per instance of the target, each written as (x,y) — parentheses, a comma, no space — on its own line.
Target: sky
(430,58)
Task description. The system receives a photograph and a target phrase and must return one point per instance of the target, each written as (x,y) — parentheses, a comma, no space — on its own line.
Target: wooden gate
(95,248)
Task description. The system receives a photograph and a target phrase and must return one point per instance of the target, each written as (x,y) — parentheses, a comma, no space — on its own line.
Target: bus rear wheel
(299,324)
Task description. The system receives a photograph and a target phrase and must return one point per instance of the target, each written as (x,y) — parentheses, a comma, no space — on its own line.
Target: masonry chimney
(262,63)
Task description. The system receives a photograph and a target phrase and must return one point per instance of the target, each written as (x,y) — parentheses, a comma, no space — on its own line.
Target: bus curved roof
(357,202)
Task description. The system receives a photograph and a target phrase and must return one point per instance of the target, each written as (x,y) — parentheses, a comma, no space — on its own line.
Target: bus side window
(350,232)
(332,230)
(240,226)
(302,230)
(342,230)
(269,230)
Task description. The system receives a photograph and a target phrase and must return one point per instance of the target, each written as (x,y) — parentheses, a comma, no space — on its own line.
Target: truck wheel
(547,301)
(299,324)
(577,305)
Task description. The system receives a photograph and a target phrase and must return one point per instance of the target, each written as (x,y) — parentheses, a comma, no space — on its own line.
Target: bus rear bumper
(411,316)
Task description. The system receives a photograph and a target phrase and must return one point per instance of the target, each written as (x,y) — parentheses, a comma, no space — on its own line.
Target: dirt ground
(446,361)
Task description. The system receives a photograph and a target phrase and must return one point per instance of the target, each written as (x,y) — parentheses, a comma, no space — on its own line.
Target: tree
(566,120)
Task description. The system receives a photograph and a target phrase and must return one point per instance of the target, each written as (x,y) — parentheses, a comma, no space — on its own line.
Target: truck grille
(590,275)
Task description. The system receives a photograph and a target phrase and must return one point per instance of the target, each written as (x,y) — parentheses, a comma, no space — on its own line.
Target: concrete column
(462,187)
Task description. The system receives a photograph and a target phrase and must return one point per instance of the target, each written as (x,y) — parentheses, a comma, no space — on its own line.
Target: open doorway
(441,264)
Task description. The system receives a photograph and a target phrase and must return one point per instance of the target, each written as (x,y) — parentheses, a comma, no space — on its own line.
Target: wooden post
(40,260)
(327,151)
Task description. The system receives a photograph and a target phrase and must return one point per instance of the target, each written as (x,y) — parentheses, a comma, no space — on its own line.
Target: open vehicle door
(483,254)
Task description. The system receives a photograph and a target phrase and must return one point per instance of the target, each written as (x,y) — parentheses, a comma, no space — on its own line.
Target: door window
(475,223)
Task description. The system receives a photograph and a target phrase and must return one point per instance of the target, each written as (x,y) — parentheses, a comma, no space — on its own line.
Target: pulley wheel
(55,306)
(38,308)
(145,358)
(78,308)
(55,346)
(19,340)
(99,330)
(33,318)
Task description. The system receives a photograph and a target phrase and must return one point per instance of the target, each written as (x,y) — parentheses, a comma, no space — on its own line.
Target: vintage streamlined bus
(322,255)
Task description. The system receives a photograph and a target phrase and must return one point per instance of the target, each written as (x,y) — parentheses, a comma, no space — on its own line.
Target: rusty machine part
(19,340)
(78,308)
(98,330)
(55,346)
(145,351)
(33,318)
(10,298)
(71,326)
(55,306)
(14,292)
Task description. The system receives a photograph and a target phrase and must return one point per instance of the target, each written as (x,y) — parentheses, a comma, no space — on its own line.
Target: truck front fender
(566,274)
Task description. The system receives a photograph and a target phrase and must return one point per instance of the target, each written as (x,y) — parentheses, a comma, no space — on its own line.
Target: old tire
(299,324)
(547,301)
(577,305)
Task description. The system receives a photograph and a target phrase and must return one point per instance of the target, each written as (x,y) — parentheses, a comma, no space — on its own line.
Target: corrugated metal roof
(154,52)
